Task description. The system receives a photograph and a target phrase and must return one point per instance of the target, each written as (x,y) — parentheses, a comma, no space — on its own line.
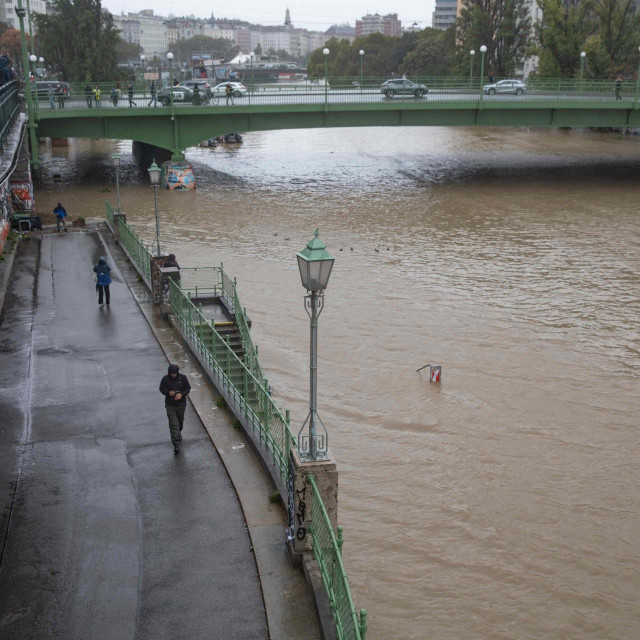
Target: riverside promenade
(105,532)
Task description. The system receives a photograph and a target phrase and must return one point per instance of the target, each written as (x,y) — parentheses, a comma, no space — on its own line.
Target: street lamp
(170,59)
(483,50)
(583,55)
(33,59)
(116,163)
(41,62)
(361,58)
(155,173)
(315,264)
(638,80)
(471,53)
(326,52)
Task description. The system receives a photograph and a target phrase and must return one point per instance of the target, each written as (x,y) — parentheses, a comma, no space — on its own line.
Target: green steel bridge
(338,103)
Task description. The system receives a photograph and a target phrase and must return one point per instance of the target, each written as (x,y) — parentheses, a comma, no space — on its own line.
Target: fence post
(363,624)
(227,363)
(340,539)
(213,339)
(287,442)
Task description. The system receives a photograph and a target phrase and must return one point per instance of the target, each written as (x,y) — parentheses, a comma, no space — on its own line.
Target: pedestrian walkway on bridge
(105,532)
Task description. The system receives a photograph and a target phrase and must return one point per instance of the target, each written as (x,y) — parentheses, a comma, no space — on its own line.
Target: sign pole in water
(435,372)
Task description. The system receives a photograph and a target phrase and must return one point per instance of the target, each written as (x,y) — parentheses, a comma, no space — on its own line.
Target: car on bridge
(505,86)
(239,90)
(181,94)
(403,87)
(203,85)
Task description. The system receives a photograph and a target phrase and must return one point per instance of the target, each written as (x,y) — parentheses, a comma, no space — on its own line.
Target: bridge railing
(9,105)
(353,90)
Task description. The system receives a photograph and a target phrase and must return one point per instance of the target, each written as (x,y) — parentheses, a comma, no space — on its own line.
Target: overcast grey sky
(312,14)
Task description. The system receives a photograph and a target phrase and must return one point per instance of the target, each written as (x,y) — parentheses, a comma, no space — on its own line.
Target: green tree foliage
(433,55)
(78,41)
(11,43)
(503,26)
(561,35)
(217,47)
(606,30)
(383,56)
(614,50)
(127,51)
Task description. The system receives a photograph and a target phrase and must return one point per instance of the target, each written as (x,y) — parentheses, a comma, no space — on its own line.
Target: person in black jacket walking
(175,387)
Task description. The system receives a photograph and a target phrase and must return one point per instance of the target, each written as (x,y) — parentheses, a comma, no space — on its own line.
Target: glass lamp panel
(303,265)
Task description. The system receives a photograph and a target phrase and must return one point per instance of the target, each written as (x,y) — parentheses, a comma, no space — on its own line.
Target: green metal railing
(354,90)
(9,104)
(137,251)
(327,551)
(248,392)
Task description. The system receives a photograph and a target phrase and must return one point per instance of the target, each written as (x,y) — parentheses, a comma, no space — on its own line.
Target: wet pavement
(105,533)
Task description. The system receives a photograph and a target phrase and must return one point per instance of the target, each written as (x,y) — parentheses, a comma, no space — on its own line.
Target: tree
(503,26)
(10,42)
(434,53)
(614,49)
(383,56)
(561,35)
(216,47)
(78,41)
(258,50)
(127,51)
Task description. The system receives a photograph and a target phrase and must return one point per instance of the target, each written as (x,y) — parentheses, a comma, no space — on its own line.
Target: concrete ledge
(320,598)
(5,271)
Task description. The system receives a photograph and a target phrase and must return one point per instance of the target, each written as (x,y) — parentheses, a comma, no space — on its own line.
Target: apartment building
(10,16)
(388,25)
(445,14)
(144,29)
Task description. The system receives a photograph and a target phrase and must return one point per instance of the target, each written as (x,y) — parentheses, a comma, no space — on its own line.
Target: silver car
(505,86)
(239,89)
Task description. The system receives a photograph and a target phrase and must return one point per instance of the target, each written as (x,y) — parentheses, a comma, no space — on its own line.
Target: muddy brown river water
(504,502)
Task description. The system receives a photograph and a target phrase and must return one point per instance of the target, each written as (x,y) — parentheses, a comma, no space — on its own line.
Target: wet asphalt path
(104,532)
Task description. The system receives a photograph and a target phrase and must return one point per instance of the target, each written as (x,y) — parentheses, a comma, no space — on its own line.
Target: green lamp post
(33,59)
(116,163)
(326,52)
(315,264)
(583,55)
(361,58)
(483,50)
(638,81)
(472,53)
(170,59)
(155,173)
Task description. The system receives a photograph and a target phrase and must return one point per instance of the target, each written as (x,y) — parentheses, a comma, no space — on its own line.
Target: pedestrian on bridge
(97,94)
(196,95)
(115,96)
(228,92)
(103,276)
(50,94)
(60,96)
(130,94)
(154,94)
(60,214)
(175,388)
(88,94)
(618,87)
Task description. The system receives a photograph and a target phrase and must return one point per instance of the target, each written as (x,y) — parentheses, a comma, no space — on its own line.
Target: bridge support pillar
(177,175)
(300,499)
(145,153)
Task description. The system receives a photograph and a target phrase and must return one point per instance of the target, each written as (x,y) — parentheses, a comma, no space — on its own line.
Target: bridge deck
(108,534)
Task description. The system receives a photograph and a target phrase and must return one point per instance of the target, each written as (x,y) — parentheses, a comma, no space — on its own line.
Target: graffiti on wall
(22,196)
(5,212)
(179,176)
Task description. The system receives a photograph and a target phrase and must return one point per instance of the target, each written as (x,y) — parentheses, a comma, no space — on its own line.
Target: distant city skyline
(313,15)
